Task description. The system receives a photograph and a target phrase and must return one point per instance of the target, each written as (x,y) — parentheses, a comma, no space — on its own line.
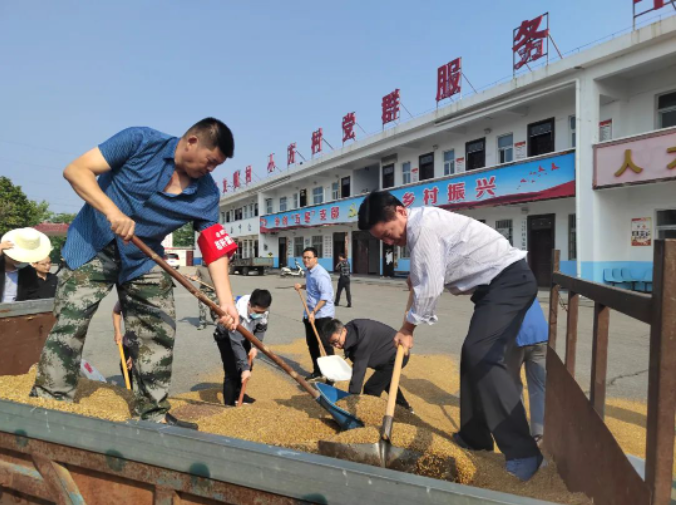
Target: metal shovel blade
(334,368)
(382,454)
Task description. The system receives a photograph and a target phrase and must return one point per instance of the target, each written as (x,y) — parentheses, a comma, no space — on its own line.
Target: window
(449,162)
(295,200)
(256,209)
(666,224)
(268,205)
(298,247)
(572,237)
(238,214)
(318,195)
(303,197)
(506,148)
(245,212)
(388,176)
(572,123)
(335,191)
(282,204)
(504,227)
(475,154)
(426,164)
(251,210)
(541,137)
(345,187)
(666,110)
(404,252)
(318,243)
(228,216)
(406,173)
(222,217)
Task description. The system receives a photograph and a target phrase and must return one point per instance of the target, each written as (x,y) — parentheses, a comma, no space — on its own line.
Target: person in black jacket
(18,280)
(47,281)
(368,344)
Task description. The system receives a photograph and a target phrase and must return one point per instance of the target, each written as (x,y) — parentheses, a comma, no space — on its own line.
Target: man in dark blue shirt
(149,184)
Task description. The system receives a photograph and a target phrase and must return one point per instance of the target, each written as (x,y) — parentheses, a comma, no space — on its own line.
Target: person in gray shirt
(236,350)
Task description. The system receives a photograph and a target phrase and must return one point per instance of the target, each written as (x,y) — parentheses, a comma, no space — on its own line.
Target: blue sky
(74,73)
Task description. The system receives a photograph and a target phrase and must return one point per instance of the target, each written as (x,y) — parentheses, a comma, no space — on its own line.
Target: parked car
(172,259)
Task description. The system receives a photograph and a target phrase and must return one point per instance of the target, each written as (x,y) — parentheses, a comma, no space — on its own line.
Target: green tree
(16,210)
(184,236)
(61,217)
(58,241)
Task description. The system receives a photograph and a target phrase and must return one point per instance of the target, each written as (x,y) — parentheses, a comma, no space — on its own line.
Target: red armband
(215,243)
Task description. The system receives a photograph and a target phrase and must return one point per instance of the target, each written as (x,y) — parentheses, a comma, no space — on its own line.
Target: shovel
(345,422)
(381,453)
(125,370)
(334,367)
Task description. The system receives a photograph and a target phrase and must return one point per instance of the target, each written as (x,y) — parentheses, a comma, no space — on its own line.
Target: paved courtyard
(197,358)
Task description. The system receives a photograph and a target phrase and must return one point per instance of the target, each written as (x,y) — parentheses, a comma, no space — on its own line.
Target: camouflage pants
(203,308)
(149,314)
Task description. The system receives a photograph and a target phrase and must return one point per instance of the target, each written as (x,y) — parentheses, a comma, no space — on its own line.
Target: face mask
(255,316)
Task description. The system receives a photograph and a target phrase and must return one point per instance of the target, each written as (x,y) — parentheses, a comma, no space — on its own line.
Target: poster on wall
(415,174)
(459,165)
(641,231)
(605,130)
(520,150)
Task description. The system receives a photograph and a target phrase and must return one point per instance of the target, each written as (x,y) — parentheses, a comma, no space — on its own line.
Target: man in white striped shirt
(467,257)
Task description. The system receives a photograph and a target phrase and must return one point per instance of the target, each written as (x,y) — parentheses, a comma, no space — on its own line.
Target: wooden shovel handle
(243,390)
(125,372)
(314,328)
(206,301)
(205,284)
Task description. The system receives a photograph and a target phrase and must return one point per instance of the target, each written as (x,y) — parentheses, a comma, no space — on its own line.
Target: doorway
(365,253)
(282,252)
(338,247)
(541,235)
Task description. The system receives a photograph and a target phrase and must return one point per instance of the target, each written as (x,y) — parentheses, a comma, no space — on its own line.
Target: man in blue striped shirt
(146,183)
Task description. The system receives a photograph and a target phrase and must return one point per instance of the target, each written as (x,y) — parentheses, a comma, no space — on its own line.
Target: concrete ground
(197,358)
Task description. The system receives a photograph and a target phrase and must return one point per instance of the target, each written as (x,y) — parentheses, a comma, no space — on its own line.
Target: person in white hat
(19,248)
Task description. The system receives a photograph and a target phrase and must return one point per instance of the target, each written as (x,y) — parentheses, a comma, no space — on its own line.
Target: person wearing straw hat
(449,250)
(144,183)
(18,249)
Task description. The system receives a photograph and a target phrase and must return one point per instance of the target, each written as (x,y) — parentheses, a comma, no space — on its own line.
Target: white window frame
(316,194)
(319,245)
(268,206)
(295,201)
(449,165)
(505,149)
(282,204)
(406,172)
(661,111)
(510,235)
(335,191)
(663,227)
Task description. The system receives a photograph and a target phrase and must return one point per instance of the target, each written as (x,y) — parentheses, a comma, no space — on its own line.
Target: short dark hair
(342,255)
(377,207)
(214,133)
(261,298)
(333,326)
(312,250)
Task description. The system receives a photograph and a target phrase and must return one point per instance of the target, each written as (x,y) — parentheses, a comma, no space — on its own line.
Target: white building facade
(579,156)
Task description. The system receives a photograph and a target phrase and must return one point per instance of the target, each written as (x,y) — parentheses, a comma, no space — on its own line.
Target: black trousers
(490,401)
(232,383)
(380,381)
(313,345)
(343,282)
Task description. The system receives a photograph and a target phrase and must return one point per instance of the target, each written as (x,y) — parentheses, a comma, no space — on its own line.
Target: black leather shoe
(247,399)
(314,377)
(172,421)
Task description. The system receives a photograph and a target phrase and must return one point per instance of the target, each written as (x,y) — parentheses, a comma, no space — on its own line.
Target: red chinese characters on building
(276,221)
(322,215)
(247,175)
(235,179)
(317,141)
(285,221)
(448,79)
(291,154)
(391,107)
(264,223)
(296,218)
(408,199)
(308,216)
(430,195)
(271,163)
(225,185)
(484,186)
(349,120)
(456,192)
(657,4)
(335,212)
(528,42)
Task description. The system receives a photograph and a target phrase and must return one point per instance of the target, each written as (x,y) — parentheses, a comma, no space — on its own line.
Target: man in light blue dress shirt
(320,304)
